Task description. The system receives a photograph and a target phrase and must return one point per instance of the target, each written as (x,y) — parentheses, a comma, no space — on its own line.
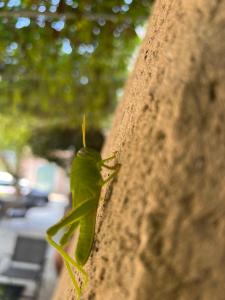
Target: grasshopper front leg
(116,170)
(110,158)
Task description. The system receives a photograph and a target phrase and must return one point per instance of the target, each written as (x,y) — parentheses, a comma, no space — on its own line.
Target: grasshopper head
(89,153)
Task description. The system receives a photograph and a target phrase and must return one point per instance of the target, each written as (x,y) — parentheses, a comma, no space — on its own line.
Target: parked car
(17,198)
(7,187)
(36,198)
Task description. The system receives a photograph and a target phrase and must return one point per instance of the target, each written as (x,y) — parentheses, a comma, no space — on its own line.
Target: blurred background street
(30,215)
(34,224)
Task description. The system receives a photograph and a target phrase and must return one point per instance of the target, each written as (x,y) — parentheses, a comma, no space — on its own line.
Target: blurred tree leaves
(59,59)
(46,141)
(14,132)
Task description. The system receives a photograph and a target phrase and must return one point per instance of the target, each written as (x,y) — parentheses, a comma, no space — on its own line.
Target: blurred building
(44,175)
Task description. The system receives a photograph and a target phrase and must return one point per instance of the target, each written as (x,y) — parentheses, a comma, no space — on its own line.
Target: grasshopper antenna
(84,131)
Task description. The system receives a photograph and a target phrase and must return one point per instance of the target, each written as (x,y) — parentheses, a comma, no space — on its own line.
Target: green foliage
(59,59)
(45,140)
(15,131)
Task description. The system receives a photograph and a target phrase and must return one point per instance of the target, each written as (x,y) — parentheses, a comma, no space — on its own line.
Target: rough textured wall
(161,226)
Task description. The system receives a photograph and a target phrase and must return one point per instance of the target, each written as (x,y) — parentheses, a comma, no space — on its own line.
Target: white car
(7,187)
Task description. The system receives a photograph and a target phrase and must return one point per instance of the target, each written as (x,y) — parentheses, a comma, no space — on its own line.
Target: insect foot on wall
(86,183)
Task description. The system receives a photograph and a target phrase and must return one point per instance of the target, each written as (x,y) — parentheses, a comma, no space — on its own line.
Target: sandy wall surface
(160,229)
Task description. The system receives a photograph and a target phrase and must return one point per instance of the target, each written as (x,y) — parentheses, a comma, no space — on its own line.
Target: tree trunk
(160,228)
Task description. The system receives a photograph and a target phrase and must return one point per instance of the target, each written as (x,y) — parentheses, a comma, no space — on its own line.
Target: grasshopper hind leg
(72,218)
(78,289)
(68,234)
(76,286)
(70,262)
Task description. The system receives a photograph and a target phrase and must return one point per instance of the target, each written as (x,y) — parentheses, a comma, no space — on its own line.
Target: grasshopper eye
(81,152)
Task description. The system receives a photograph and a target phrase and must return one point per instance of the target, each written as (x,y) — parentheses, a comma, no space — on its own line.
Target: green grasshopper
(86,183)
